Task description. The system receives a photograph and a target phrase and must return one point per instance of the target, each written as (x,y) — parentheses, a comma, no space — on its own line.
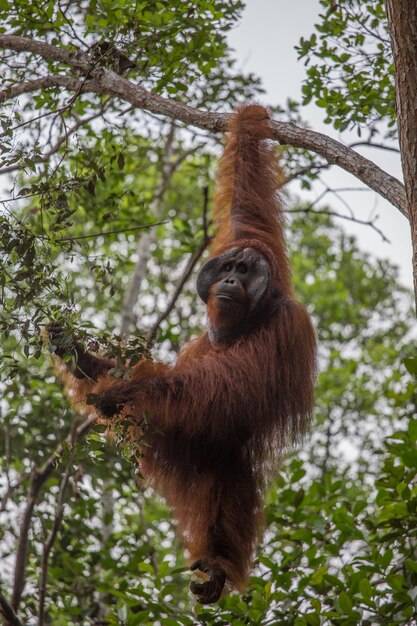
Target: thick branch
(8,613)
(336,153)
(108,82)
(77,59)
(39,83)
(402,22)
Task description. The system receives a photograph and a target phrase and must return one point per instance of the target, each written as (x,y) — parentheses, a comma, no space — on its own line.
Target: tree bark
(103,81)
(147,239)
(38,477)
(402,22)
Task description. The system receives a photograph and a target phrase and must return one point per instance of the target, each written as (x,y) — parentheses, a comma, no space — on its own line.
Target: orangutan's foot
(210,590)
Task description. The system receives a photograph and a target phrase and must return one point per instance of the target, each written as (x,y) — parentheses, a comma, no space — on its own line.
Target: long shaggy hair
(218,420)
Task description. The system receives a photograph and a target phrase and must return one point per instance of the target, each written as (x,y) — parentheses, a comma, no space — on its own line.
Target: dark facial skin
(238,274)
(233,285)
(234,277)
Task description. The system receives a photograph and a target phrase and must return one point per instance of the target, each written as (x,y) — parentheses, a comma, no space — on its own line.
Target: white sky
(264,42)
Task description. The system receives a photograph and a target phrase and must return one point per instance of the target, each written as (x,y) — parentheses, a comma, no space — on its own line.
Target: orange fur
(248,204)
(220,418)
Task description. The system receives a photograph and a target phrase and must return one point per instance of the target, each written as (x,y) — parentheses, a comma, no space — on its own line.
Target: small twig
(93,66)
(327,446)
(341,200)
(11,488)
(74,34)
(304,170)
(69,184)
(370,223)
(59,514)
(109,232)
(348,189)
(187,271)
(8,613)
(79,123)
(371,144)
(205,209)
(37,118)
(186,274)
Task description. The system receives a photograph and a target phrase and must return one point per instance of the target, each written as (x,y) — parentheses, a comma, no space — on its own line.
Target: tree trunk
(147,239)
(128,320)
(402,21)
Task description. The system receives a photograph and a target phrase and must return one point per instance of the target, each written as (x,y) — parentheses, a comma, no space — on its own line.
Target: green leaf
(396,581)
(411,365)
(120,160)
(366,588)
(318,575)
(302,535)
(345,603)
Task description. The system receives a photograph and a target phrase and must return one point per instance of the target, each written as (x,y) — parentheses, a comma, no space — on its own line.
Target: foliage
(342,512)
(168,42)
(349,66)
(72,162)
(85,182)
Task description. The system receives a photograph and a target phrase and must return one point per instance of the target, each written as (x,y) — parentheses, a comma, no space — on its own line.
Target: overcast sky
(264,43)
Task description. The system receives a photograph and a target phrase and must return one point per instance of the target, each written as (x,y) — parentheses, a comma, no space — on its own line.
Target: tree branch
(370,223)
(78,59)
(104,233)
(167,168)
(108,82)
(402,24)
(44,158)
(10,488)
(186,274)
(313,167)
(40,83)
(59,514)
(38,477)
(371,144)
(8,613)
(336,153)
